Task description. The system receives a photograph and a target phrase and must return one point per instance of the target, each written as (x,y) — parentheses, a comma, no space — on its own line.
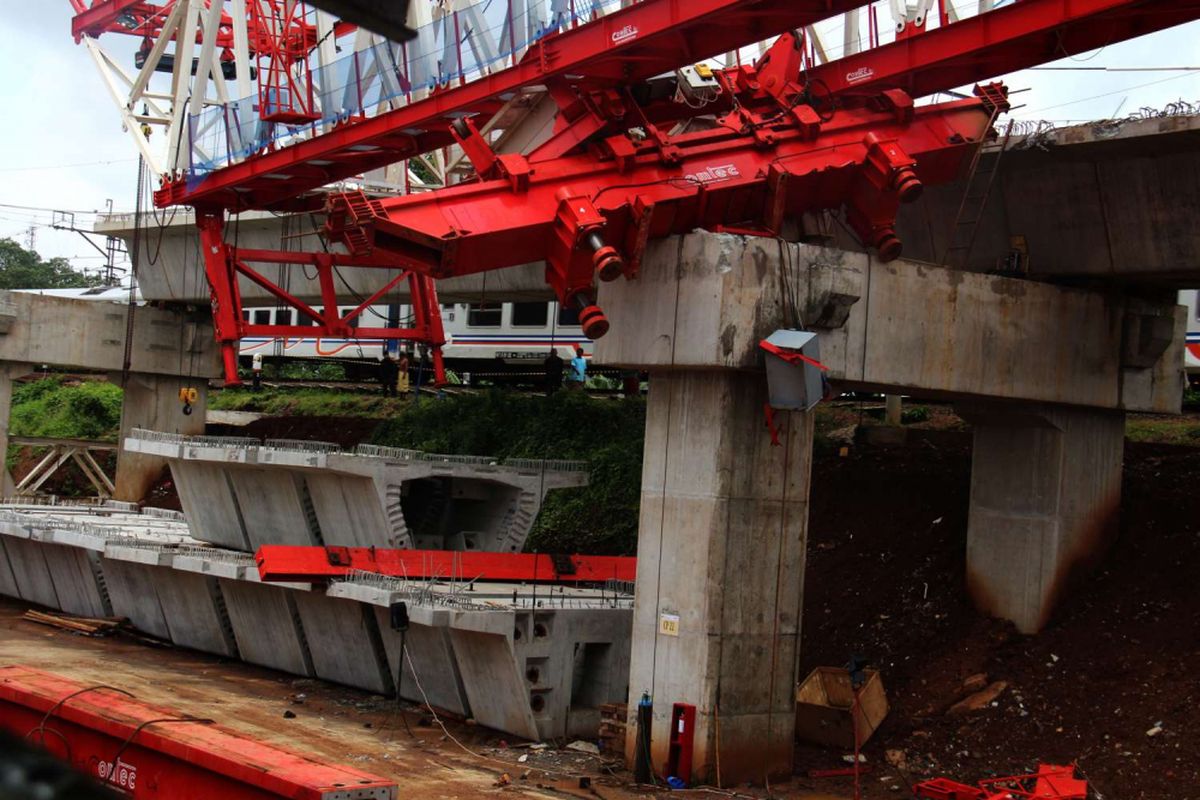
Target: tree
(25,269)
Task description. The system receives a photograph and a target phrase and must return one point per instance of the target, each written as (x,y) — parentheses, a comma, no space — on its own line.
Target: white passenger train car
(1191,350)
(479,337)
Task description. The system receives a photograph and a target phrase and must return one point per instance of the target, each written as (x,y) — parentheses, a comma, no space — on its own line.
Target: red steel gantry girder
(593,213)
(653,37)
(842,135)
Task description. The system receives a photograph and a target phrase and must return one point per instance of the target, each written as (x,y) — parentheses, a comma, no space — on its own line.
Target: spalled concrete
(1045,498)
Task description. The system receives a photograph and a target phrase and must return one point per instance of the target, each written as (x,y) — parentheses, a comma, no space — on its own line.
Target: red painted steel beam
(297,564)
(1006,39)
(747,174)
(623,48)
(155,753)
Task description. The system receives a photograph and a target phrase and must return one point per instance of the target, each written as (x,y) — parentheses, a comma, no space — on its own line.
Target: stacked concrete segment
(242,494)
(531,661)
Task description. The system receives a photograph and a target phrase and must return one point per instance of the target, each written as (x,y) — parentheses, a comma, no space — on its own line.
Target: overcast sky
(61,146)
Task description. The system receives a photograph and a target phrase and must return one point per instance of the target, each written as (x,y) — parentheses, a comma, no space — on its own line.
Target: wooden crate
(823,708)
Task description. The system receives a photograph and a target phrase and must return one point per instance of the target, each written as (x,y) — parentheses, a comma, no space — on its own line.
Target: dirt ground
(1112,684)
(885,580)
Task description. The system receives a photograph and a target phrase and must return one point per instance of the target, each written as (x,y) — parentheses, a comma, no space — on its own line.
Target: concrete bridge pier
(721,549)
(1045,500)
(7,373)
(724,511)
(151,402)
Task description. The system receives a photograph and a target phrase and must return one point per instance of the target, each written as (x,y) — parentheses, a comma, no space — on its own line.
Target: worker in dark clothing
(389,370)
(554,371)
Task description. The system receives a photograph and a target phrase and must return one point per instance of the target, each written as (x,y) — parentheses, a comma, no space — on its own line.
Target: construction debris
(89,626)
(979,700)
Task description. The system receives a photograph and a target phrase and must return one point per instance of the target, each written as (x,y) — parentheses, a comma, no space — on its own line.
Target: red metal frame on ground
(298,564)
(156,753)
(1048,783)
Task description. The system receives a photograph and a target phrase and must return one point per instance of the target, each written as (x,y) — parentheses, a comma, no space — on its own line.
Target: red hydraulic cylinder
(155,753)
(301,564)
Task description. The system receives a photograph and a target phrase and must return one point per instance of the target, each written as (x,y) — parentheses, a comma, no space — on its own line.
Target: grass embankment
(66,409)
(300,402)
(63,408)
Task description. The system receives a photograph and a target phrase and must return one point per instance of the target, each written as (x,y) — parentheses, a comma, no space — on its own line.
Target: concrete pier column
(1045,498)
(721,549)
(8,372)
(152,402)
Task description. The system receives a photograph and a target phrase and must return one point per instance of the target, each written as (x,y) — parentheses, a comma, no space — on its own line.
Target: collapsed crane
(649,137)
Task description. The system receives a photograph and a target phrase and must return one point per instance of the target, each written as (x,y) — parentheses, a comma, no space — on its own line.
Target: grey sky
(62,146)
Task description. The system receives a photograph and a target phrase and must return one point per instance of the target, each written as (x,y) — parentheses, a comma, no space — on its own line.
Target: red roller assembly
(301,564)
(154,753)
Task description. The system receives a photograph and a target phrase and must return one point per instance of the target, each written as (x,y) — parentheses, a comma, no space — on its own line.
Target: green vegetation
(25,269)
(1163,429)
(57,409)
(600,518)
(304,402)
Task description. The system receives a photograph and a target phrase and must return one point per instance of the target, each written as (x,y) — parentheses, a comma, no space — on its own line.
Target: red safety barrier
(151,752)
(288,563)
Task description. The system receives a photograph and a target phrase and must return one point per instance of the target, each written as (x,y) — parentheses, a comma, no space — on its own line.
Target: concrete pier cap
(724,512)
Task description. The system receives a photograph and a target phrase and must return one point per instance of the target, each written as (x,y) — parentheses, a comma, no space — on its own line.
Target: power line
(1109,94)
(1114,69)
(68,166)
(92,212)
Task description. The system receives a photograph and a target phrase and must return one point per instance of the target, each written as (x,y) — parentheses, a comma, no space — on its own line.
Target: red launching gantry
(764,142)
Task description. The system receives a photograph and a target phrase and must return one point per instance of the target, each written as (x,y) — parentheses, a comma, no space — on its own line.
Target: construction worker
(389,371)
(577,375)
(256,371)
(554,371)
(402,385)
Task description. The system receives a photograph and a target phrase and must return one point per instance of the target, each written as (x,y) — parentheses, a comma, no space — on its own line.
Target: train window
(529,315)
(309,320)
(262,316)
(245,315)
(283,316)
(484,315)
(568,317)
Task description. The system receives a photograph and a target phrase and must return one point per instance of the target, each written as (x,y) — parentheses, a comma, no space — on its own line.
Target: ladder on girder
(985,166)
